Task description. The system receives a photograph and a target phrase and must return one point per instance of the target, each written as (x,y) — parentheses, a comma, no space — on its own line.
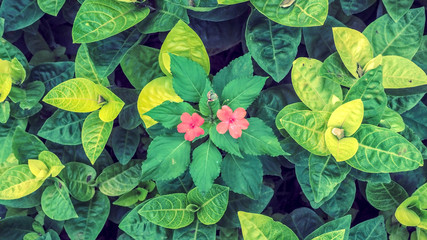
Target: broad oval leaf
(338,224)
(348,117)
(79,177)
(272,45)
(392,120)
(17,182)
(315,92)
(85,68)
(95,134)
(125,144)
(168,211)
(342,149)
(396,9)
(56,202)
(184,42)
(169,113)
(351,7)
(51,7)
(16,227)
(212,204)
(100,19)
(385,196)
(343,199)
(333,68)
(261,227)
(53,73)
(401,38)
(118,179)
(372,229)
(7,131)
(383,151)
(353,47)
(75,95)
(19,14)
(26,146)
(153,94)
(299,14)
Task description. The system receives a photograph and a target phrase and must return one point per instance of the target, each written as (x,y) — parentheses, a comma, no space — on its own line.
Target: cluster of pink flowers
(234,122)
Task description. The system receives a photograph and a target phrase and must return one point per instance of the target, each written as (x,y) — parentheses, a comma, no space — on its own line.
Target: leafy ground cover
(206,119)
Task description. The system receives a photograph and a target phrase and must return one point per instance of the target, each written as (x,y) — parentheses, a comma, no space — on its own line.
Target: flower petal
(197,120)
(189,136)
(183,127)
(224,113)
(242,123)
(235,131)
(222,127)
(198,131)
(239,113)
(185,117)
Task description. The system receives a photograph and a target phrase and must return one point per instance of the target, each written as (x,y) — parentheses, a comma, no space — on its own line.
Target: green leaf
(415,118)
(79,178)
(167,158)
(140,65)
(26,146)
(15,227)
(392,120)
(113,104)
(230,2)
(4,112)
(52,74)
(241,92)
(51,7)
(95,134)
(118,179)
(32,93)
(52,162)
(396,9)
(402,104)
(56,202)
(225,142)
(92,218)
(420,57)
(212,204)
(75,95)
(342,223)
(259,139)
(63,128)
(389,37)
(128,117)
(8,51)
(383,151)
(302,221)
(385,196)
(347,117)
(189,78)
(315,92)
(167,209)
(243,175)
(99,19)
(257,226)
(353,47)
(370,90)
(273,46)
(125,144)
(325,174)
(18,182)
(306,127)
(372,229)
(298,14)
(183,41)
(7,131)
(342,149)
(19,14)
(343,199)
(196,230)
(85,68)
(205,165)
(335,235)
(351,7)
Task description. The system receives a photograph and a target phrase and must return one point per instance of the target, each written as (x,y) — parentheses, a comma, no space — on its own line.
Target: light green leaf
(325,174)
(85,68)
(342,149)
(272,45)
(401,38)
(8,51)
(196,230)
(113,104)
(315,92)
(225,142)
(26,146)
(18,182)
(230,2)
(51,7)
(342,223)
(118,179)
(79,177)
(298,14)
(205,165)
(52,162)
(261,227)
(183,41)
(168,211)
(241,92)
(396,9)
(243,175)
(354,49)
(347,117)
(383,151)
(372,229)
(370,90)
(100,19)
(56,202)
(259,139)
(6,86)
(212,204)
(385,196)
(405,213)
(392,120)
(95,134)
(167,158)
(306,127)
(92,217)
(125,143)
(75,95)
(335,235)
(7,131)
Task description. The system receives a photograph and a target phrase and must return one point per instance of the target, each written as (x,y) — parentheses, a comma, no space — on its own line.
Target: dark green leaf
(337,224)
(19,14)
(7,131)
(118,179)
(343,199)
(355,6)
(15,227)
(26,146)
(79,177)
(372,229)
(302,221)
(385,196)
(125,143)
(416,119)
(52,74)
(333,68)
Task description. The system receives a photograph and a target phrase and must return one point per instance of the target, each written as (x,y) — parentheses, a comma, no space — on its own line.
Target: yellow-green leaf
(353,47)
(52,162)
(38,168)
(373,63)
(399,72)
(5,86)
(230,2)
(74,95)
(17,182)
(51,7)
(184,42)
(154,94)
(342,149)
(405,215)
(113,105)
(95,134)
(348,117)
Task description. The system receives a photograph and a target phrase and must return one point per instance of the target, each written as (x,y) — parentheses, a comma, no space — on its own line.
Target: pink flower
(232,121)
(191,126)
